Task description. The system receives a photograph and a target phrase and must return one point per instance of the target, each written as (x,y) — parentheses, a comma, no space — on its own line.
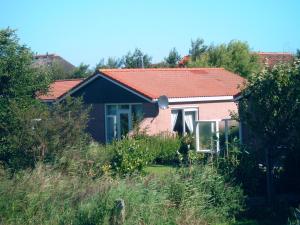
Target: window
(207,136)
(183,120)
(120,119)
(215,136)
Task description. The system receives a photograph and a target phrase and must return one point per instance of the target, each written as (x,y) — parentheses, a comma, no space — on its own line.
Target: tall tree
(197,48)
(270,109)
(173,58)
(234,56)
(19,85)
(111,63)
(81,71)
(137,59)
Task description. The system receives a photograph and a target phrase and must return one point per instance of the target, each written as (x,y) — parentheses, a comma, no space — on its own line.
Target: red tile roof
(184,61)
(178,82)
(152,83)
(59,88)
(273,58)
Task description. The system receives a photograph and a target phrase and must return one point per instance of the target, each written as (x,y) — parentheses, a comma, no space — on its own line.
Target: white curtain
(189,120)
(174,115)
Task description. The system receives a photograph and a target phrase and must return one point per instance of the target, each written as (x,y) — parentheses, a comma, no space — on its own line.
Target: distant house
(272,58)
(184,61)
(119,97)
(51,59)
(266,58)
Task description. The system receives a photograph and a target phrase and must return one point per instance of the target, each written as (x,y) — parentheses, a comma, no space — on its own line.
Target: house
(272,58)
(184,61)
(120,97)
(265,58)
(53,59)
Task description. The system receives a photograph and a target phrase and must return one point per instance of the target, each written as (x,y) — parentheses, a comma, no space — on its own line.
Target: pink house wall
(206,111)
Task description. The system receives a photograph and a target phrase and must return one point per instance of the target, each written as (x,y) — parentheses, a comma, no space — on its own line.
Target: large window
(215,136)
(120,119)
(207,136)
(183,120)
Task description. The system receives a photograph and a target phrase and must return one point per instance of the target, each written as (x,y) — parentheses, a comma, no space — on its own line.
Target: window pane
(111,129)
(207,135)
(111,110)
(177,121)
(124,106)
(124,124)
(137,114)
(189,117)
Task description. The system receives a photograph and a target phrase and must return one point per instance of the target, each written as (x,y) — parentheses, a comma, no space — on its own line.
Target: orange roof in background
(59,88)
(184,61)
(178,82)
(273,58)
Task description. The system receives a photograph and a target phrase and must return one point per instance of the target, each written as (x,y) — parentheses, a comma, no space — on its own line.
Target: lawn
(160,169)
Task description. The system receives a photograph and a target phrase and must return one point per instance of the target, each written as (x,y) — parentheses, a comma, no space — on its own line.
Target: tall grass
(47,196)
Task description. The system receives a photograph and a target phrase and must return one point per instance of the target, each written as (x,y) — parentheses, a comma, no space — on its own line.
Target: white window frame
(197,136)
(119,111)
(183,110)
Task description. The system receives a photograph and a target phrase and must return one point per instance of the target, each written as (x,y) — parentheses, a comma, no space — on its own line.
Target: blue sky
(86,31)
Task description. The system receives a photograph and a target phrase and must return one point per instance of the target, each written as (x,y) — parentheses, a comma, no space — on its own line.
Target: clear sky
(88,30)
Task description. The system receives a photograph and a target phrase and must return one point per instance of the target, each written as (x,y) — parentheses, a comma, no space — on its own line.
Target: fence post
(118,213)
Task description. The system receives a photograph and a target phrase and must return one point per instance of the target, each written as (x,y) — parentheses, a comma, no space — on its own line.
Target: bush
(129,155)
(164,148)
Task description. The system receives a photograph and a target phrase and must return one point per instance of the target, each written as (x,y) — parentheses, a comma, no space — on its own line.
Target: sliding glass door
(120,119)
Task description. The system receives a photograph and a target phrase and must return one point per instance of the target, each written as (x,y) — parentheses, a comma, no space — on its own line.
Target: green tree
(173,58)
(19,84)
(297,56)
(234,56)
(81,71)
(111,63)
(197,48)
(270,109)
(137,59)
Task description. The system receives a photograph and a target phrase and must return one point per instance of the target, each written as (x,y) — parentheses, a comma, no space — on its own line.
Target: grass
(160,169)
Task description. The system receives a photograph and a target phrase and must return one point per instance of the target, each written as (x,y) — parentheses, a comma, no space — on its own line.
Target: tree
(297,56)
(81,71)
(270,109)
(137,59)
(197,48)
(111,63)
(19,84)
(234,56)
(173,58)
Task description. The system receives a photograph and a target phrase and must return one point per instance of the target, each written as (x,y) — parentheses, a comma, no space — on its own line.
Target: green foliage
(56,70)
(274,135)
(129,156)
(111,63)
(197,48)
(82,71)
(19,84)
(173,58)
(46,196)
(235,56)
(137,59)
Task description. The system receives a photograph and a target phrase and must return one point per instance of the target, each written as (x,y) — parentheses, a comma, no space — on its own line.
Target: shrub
(129,155)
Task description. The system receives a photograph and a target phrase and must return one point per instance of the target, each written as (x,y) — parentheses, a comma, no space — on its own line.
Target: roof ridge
(273,53)
(161,69)
(74,79)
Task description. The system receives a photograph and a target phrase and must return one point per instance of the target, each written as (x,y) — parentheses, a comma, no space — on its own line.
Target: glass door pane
(124,124)
(111,129)
(207,134)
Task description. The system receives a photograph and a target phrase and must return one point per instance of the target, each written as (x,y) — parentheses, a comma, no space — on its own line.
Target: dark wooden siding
(103,91)
(97,94)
